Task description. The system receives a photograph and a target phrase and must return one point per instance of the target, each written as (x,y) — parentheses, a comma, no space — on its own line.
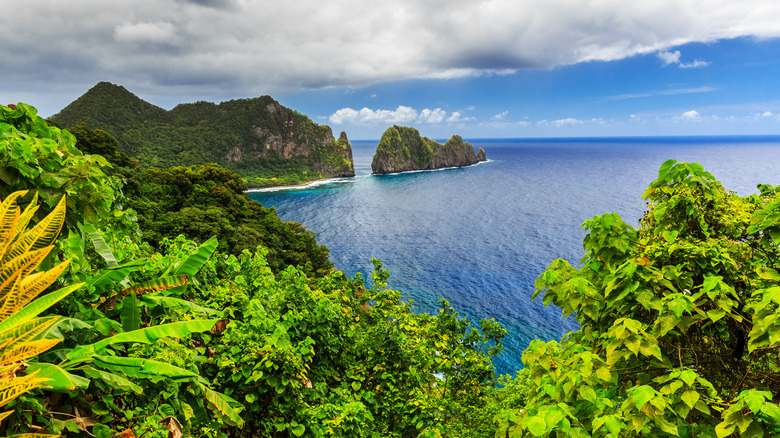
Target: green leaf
(298,429)
(131,315)
(177,303)
(60,380)
(111,276)
(535,425)
(641,395)
(145,336)
(138,367)
(716,314)
(690,398)
(604,374)
(192,264)
(113,380)
(223,404)
(100,244)
(157,285)
(688,376)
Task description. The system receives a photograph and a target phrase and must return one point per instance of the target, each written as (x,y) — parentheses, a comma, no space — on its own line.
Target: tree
(679,334)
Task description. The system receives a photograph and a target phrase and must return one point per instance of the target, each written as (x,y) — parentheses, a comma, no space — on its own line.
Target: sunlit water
(479,236)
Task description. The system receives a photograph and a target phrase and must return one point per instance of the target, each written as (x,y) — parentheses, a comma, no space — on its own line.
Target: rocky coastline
(403,149)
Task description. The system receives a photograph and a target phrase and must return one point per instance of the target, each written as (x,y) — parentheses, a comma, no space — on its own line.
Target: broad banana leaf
(131,315)
(114,275)
(113,380)
(100,244)
(157,285)
(59,379)
(222,403)
(178,303)
(146,335)
(138,367)
(192,264)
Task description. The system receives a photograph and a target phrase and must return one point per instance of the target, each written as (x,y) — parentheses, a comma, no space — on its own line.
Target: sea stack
(403,149)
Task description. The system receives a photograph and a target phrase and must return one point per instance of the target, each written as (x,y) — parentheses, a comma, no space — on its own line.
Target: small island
(403,149)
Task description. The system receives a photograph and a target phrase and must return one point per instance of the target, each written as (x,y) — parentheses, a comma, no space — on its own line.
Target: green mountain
(266,143)
(403,149)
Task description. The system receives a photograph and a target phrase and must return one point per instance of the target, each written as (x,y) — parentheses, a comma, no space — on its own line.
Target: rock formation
(263,141)
(402,149)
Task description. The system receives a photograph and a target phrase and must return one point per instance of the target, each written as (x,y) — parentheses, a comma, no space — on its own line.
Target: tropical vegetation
(266,143)
(181,336)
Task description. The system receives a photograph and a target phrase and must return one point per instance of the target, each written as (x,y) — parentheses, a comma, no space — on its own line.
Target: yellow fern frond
(7,284)
(26,216)
(27,331)
(25,350)
(39,236)
(5,414)
(9,216)
(22,266)
(29,288)
(12,387)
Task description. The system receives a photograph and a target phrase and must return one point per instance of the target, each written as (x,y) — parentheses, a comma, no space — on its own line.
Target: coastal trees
(679,334)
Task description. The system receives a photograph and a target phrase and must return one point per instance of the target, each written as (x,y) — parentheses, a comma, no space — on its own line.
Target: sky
(479,69)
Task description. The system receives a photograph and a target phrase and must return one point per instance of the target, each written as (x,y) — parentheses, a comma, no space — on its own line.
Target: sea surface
(479,236)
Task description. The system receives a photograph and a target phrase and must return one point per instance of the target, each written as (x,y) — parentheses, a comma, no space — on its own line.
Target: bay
(479,236)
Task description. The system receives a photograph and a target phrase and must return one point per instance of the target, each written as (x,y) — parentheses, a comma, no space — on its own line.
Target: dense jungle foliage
(679,328)
(201,202)
(189,339)
(268,144)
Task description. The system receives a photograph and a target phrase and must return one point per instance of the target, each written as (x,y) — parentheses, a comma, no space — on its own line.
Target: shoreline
(319,182)
(316,182)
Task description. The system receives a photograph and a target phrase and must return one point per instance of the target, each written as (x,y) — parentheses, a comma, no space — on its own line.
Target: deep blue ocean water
(479,236)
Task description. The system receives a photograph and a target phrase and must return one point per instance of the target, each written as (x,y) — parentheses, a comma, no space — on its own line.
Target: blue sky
(494,68)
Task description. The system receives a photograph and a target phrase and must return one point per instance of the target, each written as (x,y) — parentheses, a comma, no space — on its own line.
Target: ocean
(479,236)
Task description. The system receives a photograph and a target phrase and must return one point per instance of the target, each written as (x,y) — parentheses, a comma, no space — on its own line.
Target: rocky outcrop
(263,141)
(402,149)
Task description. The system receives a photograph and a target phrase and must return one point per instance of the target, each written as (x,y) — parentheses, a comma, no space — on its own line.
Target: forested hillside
(266,143)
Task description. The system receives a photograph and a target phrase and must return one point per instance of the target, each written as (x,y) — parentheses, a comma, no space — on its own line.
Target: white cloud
(432,116)
(500,116)
(402,114)
(250,48)
(457,117)
(668,58)
(691,115)
(671,92)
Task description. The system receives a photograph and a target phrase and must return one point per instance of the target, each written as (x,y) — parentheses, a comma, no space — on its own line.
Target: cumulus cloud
(243,48)
(432,116)
(691,115)
(500,116)
(668,58)
(402,114)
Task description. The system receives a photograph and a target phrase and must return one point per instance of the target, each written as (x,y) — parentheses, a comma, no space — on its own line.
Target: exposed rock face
(402,149)
(255,137)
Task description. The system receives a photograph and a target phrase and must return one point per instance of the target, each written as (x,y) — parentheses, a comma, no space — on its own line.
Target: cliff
(263,141)
(403,149)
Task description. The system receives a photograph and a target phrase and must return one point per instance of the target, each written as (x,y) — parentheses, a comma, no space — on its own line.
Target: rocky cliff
(265,142)
(403,149)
